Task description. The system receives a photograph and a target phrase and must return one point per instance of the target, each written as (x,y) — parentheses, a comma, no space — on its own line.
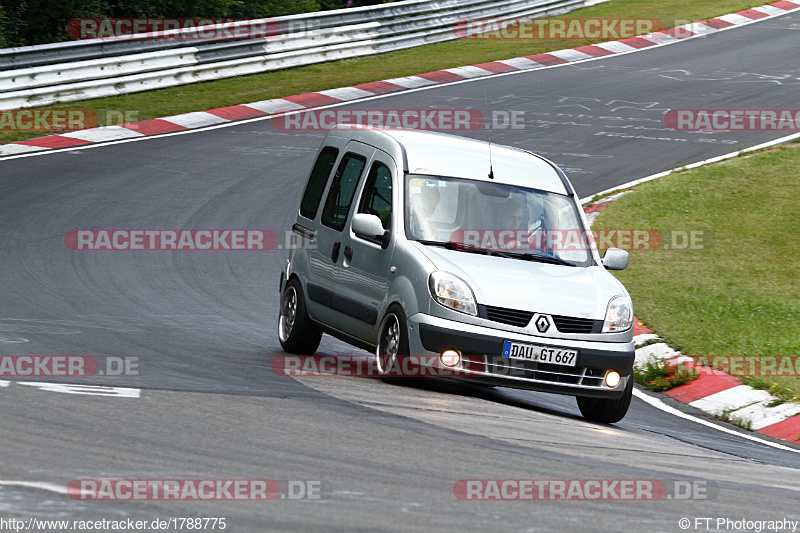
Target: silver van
(468,255)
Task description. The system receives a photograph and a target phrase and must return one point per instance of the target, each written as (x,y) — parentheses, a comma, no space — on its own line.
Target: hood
(529,285)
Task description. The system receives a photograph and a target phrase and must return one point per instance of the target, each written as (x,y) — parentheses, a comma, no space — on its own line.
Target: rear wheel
(392,342)
(295,331)
(607,411)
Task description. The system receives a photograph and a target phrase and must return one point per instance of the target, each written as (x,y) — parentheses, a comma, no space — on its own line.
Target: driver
(513,218)
(423,205)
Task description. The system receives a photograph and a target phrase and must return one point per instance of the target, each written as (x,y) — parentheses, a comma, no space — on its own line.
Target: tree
(27,22)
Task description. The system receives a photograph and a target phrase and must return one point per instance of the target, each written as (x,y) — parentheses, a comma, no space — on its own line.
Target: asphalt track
(203,325)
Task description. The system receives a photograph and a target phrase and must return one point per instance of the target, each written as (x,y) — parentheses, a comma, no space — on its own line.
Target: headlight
(452,292)
(619,315)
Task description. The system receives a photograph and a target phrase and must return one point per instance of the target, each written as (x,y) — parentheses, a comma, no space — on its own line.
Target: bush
(28,22)
(10,22)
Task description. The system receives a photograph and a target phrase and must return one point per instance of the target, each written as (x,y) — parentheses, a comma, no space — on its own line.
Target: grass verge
(732,294)
(342,73)
(659,375)
(782,391)
(727,415)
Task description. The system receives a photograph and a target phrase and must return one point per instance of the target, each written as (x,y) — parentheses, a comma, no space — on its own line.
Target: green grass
(208,95)
(739,293)
(785,390)
(727,415)
(648,343)
(659,375)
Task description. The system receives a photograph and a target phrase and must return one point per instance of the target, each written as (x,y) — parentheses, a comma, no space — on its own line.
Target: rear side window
(343,187)
(377,197)
(316,183)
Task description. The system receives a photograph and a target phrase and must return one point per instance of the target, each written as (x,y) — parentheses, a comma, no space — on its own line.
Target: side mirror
(370,227)
(615,259)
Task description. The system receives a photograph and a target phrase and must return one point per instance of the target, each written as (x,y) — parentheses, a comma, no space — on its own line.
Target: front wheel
(607,411)
(392,341)
(295,331)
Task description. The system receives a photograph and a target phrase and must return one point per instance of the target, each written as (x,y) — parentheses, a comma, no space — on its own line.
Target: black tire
(392,342)
(607,411)
(296,333)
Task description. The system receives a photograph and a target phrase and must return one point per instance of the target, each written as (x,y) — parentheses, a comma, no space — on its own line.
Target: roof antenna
(488,136)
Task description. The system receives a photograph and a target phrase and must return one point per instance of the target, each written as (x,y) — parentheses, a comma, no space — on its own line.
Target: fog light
(450,357)
(613,378)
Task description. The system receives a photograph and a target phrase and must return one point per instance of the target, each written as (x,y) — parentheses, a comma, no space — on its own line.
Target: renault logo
(542,323)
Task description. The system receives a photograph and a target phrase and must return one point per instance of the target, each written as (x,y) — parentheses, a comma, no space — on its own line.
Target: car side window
(377,197)
(317,180)
(343,187)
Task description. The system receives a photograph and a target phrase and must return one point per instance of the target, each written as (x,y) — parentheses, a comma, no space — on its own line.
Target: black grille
(571,324)
(511,317)
(588,377)
(520,319)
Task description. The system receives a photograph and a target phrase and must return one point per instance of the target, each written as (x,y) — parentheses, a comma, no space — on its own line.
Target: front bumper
(482,349)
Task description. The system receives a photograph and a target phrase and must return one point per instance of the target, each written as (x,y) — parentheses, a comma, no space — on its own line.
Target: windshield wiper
(527,256)
(539,256)
(450,246)
(445,244)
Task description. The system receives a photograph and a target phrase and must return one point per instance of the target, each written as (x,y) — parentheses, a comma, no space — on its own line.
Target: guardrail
(92,68)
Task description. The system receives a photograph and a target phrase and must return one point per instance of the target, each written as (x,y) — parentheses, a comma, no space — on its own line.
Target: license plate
(539,354)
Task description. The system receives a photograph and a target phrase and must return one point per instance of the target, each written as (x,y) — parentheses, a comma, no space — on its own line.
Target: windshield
(477,215)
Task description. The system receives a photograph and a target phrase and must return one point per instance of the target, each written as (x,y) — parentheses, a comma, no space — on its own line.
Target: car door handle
(335,251)
(348,253)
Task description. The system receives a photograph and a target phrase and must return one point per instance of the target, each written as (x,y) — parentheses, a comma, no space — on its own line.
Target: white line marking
(735,18)
(347,93)
(522,63)
(733,398)
(616,47)
(716,159)
(88,390)
(761,416)
(15,148)
(469,71)
(662,37)
(655,351)
(571,55)
(699,28)
(35,485)
(644,337)
(196,118)
(396,81)
(658,404)
(413,82)
(103,133)
(273,105)
(768,9)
